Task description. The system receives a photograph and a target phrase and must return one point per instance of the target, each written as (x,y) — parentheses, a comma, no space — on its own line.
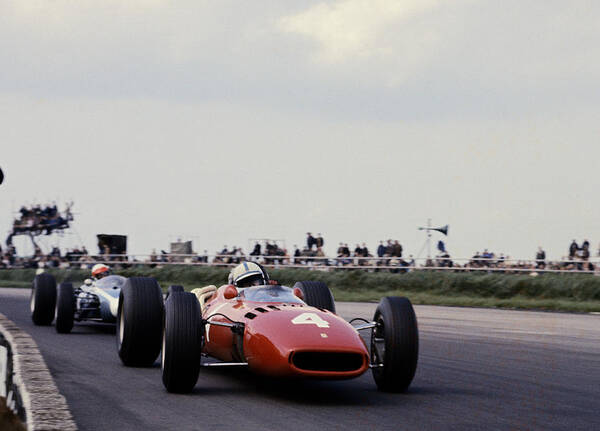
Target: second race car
(95,300)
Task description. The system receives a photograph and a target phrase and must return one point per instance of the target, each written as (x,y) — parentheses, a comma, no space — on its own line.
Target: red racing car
(271,329)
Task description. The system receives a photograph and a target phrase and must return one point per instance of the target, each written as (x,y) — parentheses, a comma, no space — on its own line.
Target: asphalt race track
(478,369)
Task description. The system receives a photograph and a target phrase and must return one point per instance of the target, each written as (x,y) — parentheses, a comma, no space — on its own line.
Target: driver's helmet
(100,270)
(248,274)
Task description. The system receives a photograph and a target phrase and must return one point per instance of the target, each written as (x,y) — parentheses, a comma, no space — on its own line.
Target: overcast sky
(359,119)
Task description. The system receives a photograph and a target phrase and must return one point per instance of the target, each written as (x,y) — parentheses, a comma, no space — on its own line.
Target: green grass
(565,292)
(518,302)
(5,283)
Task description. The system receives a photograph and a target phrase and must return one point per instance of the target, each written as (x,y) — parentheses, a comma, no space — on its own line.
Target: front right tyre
(43,299)
(394,344)
(182,342)
(65,308)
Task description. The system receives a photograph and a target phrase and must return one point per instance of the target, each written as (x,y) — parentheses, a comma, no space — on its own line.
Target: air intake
(327,361)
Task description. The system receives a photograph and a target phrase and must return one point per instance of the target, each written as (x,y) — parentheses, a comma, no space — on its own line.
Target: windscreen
(111,282)
(269,294)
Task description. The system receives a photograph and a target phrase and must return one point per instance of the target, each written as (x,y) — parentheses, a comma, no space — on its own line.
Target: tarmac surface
(478,369)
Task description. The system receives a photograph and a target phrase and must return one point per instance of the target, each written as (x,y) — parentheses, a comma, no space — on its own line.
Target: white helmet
(100,270)
(248,274)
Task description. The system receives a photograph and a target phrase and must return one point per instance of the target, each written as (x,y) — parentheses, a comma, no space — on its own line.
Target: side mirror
(298,293)
(230,292)
(87,282)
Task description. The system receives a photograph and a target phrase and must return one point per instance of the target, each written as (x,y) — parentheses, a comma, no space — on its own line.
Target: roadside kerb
(45,408)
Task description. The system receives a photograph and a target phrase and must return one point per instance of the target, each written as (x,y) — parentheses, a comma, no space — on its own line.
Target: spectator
(310,241)
(444,260)
(203,258)
(585,254)
(340,253)
(320,254)
(365,250)
(380,249)
(397,249)
(586,244)
(297,254)
(319,241)
(256,250)
(573,250)
(346,250)
(540,258)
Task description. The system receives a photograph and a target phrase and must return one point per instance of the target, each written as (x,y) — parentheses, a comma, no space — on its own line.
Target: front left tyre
(317,294)
(140,322)
(43,299)
(182,342)
(65,308)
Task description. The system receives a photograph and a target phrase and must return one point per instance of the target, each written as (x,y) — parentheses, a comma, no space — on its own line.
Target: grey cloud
(487,57)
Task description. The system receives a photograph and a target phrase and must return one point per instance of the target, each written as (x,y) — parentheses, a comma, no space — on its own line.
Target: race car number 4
(310,319)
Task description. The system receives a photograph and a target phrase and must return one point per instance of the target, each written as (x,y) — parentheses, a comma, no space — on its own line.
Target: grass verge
(557,292)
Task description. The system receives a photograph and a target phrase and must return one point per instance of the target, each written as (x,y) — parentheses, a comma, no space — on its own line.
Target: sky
(225,121)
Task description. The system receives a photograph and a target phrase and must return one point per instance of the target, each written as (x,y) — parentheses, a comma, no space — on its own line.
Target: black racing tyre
(140,322)
(43,299)
(394,344)
(174,288)
(65,308)
(182,342)
(317,294)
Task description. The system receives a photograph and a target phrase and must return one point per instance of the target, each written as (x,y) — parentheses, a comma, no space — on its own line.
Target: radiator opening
(327,361)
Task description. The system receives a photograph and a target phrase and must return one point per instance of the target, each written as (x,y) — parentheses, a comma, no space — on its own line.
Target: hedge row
(573,287)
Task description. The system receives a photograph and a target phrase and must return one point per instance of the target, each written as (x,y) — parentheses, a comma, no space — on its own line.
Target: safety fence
(9,390)
(325,263)
(27,384)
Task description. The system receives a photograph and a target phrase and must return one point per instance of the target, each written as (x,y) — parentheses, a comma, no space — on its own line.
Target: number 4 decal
(310,319)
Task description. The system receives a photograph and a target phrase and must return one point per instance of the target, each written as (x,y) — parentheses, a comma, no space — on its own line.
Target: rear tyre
(65,308)
(174,288)
(394,344)
(43,299)
(182,342)
(317,294)
(139,322)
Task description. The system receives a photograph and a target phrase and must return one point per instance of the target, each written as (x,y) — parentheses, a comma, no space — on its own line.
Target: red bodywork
(273,344)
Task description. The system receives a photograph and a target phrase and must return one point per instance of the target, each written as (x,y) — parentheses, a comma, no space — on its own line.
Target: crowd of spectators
(72,258)
(37,220)
(579,256)
(233,256)
(389,257)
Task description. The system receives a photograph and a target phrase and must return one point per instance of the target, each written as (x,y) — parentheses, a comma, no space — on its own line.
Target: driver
(100,271)
(248,274)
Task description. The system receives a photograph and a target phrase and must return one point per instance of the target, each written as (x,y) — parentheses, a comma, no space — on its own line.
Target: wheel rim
(162,354)
(121,326)
(32,302)
(378,344)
